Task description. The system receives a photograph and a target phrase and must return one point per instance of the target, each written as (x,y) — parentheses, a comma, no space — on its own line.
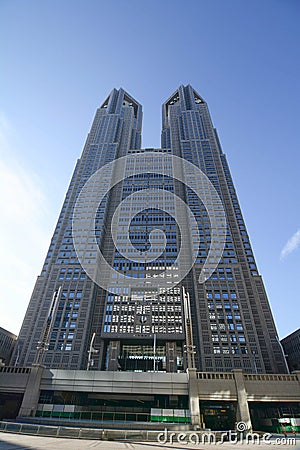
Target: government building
(150,303)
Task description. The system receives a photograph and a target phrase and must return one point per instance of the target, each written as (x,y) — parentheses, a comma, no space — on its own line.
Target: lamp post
(283,354)
(189,346)
(43,344)
(91,351)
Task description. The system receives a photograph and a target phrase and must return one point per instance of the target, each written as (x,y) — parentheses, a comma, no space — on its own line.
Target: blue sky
(61,59)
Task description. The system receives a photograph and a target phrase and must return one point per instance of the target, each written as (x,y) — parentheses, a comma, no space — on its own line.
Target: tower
(134,319)
(232,320)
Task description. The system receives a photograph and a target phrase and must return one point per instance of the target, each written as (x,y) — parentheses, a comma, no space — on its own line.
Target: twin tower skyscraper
(150,267)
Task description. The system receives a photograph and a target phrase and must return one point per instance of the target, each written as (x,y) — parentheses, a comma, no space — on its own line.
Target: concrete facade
(7,343)
(236,387)
(232,325)
(291,347)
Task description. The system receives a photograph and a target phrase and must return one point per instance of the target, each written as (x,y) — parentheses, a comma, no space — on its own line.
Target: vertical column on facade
(243,413)
(32,392)
(171,359)
(114,352)
(101,357)
(194,398)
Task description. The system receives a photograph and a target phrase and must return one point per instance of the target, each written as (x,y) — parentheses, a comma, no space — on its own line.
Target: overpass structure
(214,400)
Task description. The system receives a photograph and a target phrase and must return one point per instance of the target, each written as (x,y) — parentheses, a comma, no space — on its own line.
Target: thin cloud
(291,245)
(24,232)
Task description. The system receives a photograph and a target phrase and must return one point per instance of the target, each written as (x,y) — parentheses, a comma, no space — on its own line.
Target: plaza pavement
(10,441)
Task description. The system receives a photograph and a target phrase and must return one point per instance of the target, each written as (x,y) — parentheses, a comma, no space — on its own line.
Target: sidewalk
(25,442)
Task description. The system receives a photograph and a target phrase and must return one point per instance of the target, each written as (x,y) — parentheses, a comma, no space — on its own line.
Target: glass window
(62,274)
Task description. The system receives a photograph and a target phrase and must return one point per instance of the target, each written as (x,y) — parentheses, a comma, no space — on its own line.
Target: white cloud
(24,231)
(291,245)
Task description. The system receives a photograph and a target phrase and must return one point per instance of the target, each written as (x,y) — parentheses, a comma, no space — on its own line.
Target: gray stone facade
(291,347)
(7,343)
(139,329)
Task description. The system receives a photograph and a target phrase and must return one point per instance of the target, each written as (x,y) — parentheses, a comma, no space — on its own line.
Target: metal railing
(214,376)
(270,377)
(252,377)
(78,433)
(10,369)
